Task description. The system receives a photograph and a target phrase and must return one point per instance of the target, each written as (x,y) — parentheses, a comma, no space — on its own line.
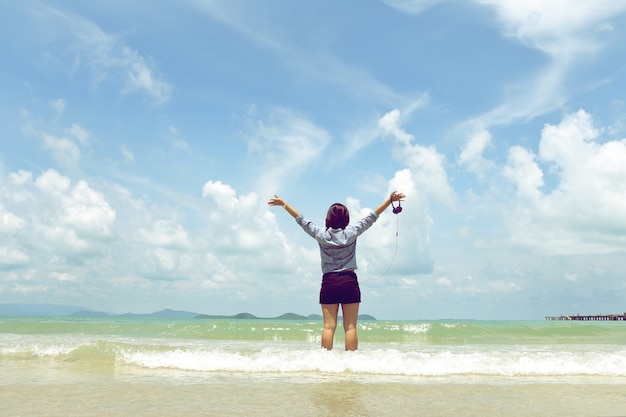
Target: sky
(141,141)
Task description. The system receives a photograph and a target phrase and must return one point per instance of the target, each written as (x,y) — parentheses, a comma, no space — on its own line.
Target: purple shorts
(340,288)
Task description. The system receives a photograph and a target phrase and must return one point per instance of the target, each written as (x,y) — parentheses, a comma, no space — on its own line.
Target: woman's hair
(337,217)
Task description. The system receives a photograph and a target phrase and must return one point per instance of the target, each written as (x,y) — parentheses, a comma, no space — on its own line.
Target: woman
(337,242)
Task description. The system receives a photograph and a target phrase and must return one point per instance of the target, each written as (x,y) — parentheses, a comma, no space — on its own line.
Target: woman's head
(338,216)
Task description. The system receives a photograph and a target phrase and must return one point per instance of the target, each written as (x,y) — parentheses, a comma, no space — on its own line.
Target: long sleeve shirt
(337,246)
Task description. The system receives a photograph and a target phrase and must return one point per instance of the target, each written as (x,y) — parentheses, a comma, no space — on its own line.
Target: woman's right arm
(309,227)
(277,201)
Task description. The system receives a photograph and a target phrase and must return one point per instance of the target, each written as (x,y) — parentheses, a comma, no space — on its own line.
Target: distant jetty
(596,317)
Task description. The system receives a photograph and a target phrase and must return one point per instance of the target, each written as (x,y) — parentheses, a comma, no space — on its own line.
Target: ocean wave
(388,348)
(421,332)
(291,358)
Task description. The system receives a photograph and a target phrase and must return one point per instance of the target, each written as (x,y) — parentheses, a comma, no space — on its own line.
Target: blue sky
(141,142)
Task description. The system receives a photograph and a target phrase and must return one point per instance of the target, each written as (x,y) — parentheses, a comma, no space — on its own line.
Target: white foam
(386,359)
(420,328)
(428,363)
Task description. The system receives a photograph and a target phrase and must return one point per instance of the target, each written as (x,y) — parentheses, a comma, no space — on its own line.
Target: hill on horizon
(18,309)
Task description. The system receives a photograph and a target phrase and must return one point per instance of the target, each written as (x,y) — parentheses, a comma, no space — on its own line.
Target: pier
(597,317)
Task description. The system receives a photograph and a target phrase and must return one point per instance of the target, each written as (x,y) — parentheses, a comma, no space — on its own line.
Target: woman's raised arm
(277,201)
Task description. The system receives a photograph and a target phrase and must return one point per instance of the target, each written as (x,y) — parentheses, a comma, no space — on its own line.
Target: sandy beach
(64,392)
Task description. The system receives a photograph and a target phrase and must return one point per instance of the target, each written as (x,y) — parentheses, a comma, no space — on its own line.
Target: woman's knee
(349,327)
(350,316)
(330,325)
(330,312)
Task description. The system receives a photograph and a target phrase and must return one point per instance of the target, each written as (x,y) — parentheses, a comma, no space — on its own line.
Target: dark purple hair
(337,217)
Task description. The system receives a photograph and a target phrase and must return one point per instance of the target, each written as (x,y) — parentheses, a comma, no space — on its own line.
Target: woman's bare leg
(330,324)
(350,316)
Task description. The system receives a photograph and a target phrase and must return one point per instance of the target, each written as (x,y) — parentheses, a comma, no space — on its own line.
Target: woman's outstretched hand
(396,196)
(276,201)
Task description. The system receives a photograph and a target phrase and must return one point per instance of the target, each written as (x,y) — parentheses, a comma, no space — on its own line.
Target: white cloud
(167,235)
(67,151)
(21,177)
(503,286)
(288,144)
(53,183)
(425,162)
(9,222)
(223,194)
(70,216)
(88,212)
(569,144)
(429,172)
(360,138)
(176,142)
(63,150)
(314,63)
(234,218)
(390,125)
(63,277)
(396,244)
(238,225)
(142,75)
(9,256)
(106,55)
(568,35)
(472,153)
(127,154)
(29,289)
(584,213)
(81,134)
(58,106)
(523,171)
(558,27)
(444,282)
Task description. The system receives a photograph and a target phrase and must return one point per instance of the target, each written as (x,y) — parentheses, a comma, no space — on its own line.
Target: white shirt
(337,246)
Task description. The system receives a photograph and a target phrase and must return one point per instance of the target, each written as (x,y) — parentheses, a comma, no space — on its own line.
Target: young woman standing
(337,242)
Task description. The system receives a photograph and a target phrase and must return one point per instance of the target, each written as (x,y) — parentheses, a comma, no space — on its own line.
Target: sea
(129,366)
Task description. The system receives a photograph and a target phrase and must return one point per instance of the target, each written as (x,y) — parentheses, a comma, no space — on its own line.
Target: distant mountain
(286,316)
(86,313)
(248,316)
(166,314)
(291,316)
(15,309)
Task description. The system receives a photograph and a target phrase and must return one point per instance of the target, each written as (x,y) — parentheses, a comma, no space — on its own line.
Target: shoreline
(142,394)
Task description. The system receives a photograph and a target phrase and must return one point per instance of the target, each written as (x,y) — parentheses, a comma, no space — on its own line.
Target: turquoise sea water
(396,359)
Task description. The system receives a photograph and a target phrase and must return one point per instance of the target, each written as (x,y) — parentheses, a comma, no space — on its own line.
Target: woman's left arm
(395,196)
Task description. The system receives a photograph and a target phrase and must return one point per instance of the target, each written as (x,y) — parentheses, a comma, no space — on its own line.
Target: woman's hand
(276,201)
(396,196)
